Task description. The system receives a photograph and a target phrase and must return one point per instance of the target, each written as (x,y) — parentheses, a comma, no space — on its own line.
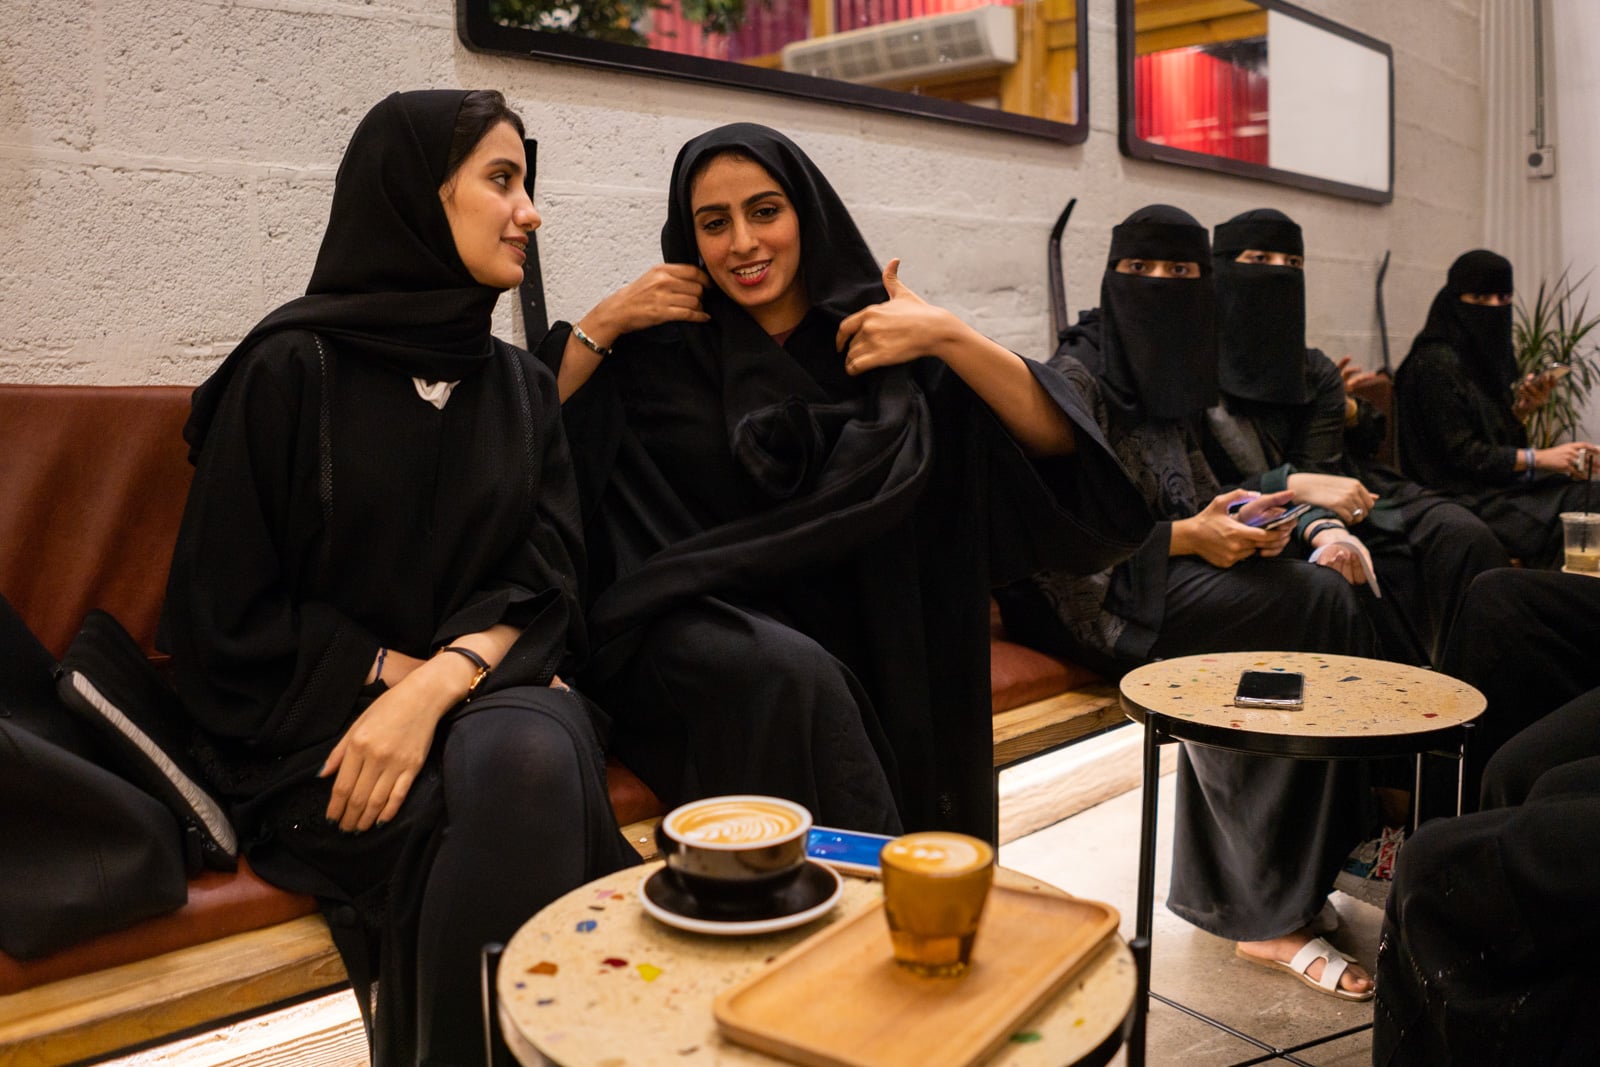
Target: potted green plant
(1556,328)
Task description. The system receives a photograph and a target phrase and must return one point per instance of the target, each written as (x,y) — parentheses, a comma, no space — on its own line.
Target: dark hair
(481,111)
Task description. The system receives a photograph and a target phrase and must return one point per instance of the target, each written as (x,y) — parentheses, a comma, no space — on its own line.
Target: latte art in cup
(734,822)
(936,853)
(735,851)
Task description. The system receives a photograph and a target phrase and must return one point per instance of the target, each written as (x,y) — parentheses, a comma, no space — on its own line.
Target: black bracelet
(477,661)
(1317,527)
(589,342)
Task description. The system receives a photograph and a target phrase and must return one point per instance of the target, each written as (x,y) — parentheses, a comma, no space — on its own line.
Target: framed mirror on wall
(1259,89)
(1018,65)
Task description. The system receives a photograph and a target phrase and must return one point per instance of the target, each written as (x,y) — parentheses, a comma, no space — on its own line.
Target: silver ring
(1358,512)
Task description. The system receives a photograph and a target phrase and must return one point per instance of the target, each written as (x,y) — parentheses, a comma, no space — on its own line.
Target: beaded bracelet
(1527,475)
(589,342)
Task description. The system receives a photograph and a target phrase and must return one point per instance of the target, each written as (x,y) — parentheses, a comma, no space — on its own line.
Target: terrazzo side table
(1355,708)
(592,981)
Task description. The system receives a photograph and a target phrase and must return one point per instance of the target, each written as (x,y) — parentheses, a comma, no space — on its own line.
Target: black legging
(515,811)
(509,812)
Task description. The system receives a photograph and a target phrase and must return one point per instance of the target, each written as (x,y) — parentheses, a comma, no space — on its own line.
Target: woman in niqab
(1257,840)
(799,488)
(374,585)
(1282,421)
(1460,406)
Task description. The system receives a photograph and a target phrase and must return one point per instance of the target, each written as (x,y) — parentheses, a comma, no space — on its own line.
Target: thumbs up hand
(902,329)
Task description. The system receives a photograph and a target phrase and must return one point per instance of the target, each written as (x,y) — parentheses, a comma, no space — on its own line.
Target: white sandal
(1312,951)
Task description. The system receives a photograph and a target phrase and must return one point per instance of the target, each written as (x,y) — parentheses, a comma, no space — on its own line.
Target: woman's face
(748,234)
(1159,268)
(489,210)
(1488,300)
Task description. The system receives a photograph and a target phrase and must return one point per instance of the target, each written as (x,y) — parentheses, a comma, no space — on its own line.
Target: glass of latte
(734,850)
(934,888)
(1582,532)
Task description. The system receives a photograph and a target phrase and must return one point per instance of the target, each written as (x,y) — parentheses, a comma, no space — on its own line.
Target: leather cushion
(92,486)
(219,905)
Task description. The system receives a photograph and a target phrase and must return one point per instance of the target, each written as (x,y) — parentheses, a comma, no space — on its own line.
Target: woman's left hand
(1342,551)
(378,758)
(900,330)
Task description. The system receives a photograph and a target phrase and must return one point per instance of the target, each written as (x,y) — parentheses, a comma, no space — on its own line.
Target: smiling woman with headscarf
(1459,406)
(375,583)
(1257,841)
(798,498)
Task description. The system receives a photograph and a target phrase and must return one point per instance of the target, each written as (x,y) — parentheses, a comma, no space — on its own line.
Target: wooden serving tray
(839,1000)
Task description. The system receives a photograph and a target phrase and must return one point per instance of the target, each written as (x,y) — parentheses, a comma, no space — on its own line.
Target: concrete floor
(1096,854)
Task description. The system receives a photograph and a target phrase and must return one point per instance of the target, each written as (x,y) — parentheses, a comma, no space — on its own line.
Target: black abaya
(1491,932)
(806,557)
(1240,869)
(334,510)
(1457,431)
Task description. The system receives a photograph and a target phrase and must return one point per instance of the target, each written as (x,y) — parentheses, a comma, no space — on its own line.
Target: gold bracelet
(477,661)
(589,342)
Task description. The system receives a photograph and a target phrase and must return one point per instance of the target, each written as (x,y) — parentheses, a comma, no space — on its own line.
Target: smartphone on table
(847,851)
(1271,689)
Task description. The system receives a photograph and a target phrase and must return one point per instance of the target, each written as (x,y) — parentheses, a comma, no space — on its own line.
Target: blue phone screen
(845,846)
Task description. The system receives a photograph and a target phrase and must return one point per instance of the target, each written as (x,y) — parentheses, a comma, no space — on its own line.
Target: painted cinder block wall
(165,172)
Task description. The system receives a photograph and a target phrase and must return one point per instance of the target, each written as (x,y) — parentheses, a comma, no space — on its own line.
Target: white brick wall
(165,171)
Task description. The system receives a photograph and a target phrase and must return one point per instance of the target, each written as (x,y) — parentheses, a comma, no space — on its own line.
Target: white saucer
(812,896)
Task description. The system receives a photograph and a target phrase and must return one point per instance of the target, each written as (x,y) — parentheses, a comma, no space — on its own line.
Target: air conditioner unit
(961,42)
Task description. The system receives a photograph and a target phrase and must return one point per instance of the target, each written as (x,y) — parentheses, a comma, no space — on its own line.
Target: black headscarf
(1261,311)
(781,425)
(1480,336)
(1159,347)
(388,286)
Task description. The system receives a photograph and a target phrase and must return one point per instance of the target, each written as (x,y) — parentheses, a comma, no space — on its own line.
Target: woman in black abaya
(375,582)
(1460,407)
(798,492)
(1257,841)
(1284,404)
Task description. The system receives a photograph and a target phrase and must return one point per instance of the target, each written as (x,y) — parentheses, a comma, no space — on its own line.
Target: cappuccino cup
(734,850)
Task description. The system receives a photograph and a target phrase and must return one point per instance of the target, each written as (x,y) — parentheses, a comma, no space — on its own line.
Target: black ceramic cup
(734,850)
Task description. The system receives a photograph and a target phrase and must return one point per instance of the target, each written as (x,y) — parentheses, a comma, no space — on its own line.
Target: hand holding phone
(1284,690)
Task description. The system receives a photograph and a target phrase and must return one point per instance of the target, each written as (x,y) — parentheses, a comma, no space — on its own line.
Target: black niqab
(1159,358)
(1261,311)
(388,284)
(1480,336)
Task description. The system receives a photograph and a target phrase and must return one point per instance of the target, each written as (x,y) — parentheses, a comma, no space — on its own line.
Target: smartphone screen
(1263,522)
(1270,689)
(846,850)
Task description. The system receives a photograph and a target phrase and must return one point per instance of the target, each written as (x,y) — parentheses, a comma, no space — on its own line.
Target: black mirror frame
(1137,148)
(480,33)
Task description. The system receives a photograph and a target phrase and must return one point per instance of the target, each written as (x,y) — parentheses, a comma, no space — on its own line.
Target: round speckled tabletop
(592,981)
(1353,706)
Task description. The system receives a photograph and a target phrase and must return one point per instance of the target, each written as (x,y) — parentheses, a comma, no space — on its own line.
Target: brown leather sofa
(92,487)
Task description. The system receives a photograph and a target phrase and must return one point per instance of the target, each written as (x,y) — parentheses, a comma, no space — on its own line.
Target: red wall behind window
(1185,98)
